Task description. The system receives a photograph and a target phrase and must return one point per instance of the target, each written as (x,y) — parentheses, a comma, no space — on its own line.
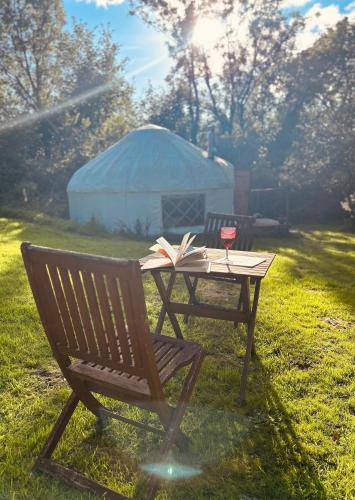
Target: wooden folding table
(245,312)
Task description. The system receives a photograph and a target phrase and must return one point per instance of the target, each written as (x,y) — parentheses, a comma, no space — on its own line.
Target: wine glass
(228,235)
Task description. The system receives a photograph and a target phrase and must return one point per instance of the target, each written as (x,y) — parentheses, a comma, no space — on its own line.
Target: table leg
(240,305)
(250,344)
(165,294)
(245,293)
(191,288)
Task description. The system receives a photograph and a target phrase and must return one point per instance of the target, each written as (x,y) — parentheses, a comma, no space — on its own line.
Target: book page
(168,248)
(199,252)
(182,247)
(198,266)
(157,262)
(159,249)
(189,243)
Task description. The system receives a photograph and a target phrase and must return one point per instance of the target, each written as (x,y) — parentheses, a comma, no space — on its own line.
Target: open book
(183,258)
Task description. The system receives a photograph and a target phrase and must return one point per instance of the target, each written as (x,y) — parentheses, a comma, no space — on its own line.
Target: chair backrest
(244,224)
(92,308)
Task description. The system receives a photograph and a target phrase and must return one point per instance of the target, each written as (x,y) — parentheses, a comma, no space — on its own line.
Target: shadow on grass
(290,471)
(323,260)
(245,453)
(252,452)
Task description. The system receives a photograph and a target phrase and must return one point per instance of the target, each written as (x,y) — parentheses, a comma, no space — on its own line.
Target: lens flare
(171,470)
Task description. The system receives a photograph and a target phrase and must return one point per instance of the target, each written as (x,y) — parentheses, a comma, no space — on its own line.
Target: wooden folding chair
(244,223)
(94,315)
(211,239)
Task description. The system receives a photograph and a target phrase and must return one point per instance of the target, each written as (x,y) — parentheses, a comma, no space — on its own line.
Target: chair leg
(253,350)
(58,429)
(171,421)
(244,376)
(59,472)
(173,432)
(92,404)
(250,347)
(166,415)
(85,395)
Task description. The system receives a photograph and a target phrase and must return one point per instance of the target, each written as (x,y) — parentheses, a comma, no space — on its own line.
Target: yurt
(151,181)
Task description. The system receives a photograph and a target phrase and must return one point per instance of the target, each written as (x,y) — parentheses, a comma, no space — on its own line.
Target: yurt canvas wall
(154,179)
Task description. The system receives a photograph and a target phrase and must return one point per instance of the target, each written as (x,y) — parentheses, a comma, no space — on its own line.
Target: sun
(207,32)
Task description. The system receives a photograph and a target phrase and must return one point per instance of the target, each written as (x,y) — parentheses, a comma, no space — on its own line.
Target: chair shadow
(268,448)
(256,452)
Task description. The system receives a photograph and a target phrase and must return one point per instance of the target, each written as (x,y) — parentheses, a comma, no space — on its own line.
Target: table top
(224,270)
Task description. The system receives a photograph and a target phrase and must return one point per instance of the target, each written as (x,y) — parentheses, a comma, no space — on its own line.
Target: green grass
(294,439)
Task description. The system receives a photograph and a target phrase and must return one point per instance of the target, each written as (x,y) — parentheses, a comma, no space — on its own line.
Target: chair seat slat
(174,357)
(157,345)
(97,360)
(165,348)
(168,357)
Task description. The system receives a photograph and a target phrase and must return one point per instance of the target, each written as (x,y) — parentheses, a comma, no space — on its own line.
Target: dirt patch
(50,378)
(303,365)
(339,323)
(218,293)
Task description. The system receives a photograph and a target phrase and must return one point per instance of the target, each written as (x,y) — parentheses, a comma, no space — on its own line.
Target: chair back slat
(107,335)
(82,299)
(46,303)
(128,301)
(98,329)
(67,283)
(118,317)
(244,224)
(85,335)
(92,309)
(63,307)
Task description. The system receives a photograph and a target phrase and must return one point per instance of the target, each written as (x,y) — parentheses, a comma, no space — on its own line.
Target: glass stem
(227,254)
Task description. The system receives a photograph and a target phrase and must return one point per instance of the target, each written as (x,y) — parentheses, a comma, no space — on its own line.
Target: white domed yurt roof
(152,159)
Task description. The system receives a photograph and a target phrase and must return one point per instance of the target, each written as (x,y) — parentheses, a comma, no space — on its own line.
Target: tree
(167,108)
(287,116)
(66,89)
(238,81)
(323,149)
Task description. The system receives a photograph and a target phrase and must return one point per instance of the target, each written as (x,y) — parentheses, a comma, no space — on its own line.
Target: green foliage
(323,150)
(167,108)
(294,439)
(286,116)
(238,81)
(72,83)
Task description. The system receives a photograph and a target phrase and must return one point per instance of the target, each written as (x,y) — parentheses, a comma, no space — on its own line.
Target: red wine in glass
(228,235)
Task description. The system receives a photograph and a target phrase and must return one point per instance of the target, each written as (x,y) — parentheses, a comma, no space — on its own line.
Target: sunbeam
(73,101)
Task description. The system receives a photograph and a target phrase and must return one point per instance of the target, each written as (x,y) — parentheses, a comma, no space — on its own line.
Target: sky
(146,50)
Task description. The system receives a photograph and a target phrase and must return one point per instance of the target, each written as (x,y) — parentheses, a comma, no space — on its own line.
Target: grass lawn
(294,439)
